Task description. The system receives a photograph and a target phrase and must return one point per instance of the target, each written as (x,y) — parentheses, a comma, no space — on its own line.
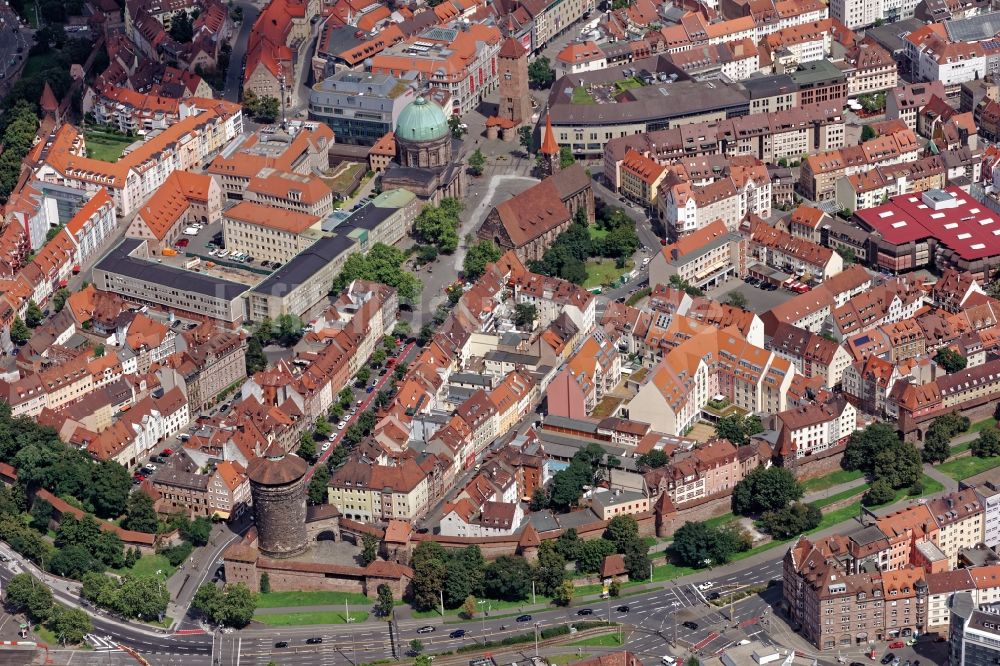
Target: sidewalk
(833,490)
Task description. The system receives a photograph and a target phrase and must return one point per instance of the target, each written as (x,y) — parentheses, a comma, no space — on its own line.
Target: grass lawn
(581,96)
(850,492)
(958,448)
(297,619)
(596,232)
(38,62)
(563,659)
(602,271)
(963,468)
(719,521)
(628,84)
(289,599)
(607,640)
(495,604)
(830,480)
(31,12)
(344,178)
(147,566)
(979,425)
(105,146)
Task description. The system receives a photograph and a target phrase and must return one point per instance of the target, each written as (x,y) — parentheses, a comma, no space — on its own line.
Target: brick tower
(515,102)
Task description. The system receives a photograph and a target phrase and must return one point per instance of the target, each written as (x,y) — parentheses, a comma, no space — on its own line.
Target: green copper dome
(421,120)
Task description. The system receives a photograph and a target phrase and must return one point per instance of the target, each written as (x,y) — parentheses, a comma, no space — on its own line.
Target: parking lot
(758,300)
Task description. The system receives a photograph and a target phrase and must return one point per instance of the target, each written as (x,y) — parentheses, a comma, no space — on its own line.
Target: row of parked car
(149,468)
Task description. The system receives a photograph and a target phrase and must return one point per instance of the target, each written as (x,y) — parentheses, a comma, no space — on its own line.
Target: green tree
(568,545)
(469,607)
(416,646)
(73,562)
(25,594)
(476,163)
(592,553)
(566,158)
(737,300)
(455,125)
(791,520)
(33,315)
(19,332)
(110,489)
(479,255)
(847,254)
(637,561)
(369,548)
(307,448)
(197,531)
(70,625)
(438,225)
(697,544)
(525,315)
(525,137)
(539,499)
(936,448)
(738,428)
(143,598)
(867,133)
(987,445)
(652,460)
(563,595)
(59,299)
(429,572)
(900,466)
(383,607)
(289,330)
(265,583)
(947,358)
(540,73)
(41,514)
(621,531)
(508,578)
(865,444)
(765,489)
(181,27)
(879,493)
(255,359)
(317,485)
(551,570)
(238,606)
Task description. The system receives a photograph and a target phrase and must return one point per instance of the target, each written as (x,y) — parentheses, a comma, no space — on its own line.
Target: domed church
(428,160)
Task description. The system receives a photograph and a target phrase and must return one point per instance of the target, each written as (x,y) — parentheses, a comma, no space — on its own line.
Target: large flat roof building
(361,107)
(127,270)
(588,109)
(947,227)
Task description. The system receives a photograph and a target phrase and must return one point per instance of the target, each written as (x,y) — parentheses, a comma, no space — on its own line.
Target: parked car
(707,585)
(168,452)
(281,644)
(896,645)
(887,658)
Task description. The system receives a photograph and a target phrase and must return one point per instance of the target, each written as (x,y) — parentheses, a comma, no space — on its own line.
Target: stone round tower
(278,487)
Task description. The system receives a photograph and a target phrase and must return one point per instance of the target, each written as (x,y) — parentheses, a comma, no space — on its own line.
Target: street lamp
(536,639)
(483,618)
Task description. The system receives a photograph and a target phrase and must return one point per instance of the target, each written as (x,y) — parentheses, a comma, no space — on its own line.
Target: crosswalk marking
(102,643)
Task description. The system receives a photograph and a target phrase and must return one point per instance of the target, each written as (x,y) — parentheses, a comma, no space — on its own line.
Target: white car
(326,446)
(222,253)
(341,425)
(191,231)
(645,262)
(707,585)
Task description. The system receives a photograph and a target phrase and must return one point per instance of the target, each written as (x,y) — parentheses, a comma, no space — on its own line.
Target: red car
(896,645)
(167,452)
(182,242)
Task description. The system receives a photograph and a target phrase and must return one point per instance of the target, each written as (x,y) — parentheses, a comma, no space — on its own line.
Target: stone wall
(670,522)
(814,466)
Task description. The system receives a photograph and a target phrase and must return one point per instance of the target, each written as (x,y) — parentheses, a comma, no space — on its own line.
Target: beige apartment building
(703,258)
(961,521)
(303,193)
(371,492)
(267,233)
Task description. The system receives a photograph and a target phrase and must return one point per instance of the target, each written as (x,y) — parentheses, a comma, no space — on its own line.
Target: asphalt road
(234,76)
